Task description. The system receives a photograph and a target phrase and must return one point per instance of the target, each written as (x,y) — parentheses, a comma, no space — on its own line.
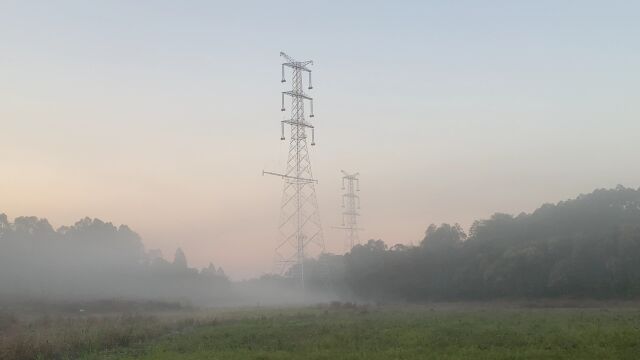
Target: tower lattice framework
(300,230)
(351,205)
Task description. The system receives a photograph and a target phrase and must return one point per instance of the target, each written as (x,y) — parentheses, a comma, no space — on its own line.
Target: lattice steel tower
(351,205)
(300,230)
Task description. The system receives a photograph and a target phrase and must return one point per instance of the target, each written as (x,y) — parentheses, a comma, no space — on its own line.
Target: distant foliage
(588,247)
(585,247)
(94,260)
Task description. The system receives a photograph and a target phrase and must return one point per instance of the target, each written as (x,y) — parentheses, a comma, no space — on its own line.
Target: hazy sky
(162,114)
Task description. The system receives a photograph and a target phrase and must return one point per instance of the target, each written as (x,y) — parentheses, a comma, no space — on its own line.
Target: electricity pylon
(351,205)
(300,230)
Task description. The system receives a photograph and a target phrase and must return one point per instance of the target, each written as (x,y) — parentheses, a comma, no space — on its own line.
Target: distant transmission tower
(351,205)
(300,231)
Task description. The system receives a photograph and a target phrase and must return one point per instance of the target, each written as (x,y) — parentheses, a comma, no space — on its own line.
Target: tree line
(93,259)
(584,247)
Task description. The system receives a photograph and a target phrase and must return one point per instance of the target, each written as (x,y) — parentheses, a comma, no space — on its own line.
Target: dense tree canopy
(585,247)
(93,259)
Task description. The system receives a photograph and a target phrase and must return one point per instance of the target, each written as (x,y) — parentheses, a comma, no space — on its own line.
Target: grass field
(345,332)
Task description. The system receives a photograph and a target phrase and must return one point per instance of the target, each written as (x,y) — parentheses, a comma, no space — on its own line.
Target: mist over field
(587,247)
(94,260)
(361,180)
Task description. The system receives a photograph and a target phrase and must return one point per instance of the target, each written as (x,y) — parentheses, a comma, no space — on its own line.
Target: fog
(137,133)
(584,247)
(162,115)
(93,260)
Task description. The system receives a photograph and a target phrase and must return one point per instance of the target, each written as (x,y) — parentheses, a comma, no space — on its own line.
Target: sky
(162,114)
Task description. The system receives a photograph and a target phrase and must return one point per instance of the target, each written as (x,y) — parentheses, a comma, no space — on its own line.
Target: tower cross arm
(299,123)
(350,176)
(347,228)
(289,177)
(297,94)
(302,65)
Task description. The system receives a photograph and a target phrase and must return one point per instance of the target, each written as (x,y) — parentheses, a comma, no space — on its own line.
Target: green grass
(397,333)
